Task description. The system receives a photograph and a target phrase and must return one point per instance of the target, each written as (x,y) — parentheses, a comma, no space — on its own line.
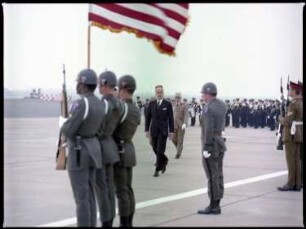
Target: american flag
(163,23)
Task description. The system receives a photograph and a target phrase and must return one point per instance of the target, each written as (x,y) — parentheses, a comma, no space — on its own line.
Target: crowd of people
(240,112)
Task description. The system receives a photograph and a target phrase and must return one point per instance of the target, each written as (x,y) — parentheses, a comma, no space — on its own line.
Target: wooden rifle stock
(61,157)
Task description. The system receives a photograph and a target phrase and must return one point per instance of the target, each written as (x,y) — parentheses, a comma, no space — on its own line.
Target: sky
(243,48)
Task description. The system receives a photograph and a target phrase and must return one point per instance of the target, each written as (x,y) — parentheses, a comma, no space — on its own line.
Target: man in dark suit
(159,120)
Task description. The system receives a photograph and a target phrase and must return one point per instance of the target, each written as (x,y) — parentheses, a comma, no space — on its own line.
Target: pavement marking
(148,203)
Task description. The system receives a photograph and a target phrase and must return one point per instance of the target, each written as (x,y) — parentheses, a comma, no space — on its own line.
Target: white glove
(206,154)
(61,121)
(184,126)
(292,130)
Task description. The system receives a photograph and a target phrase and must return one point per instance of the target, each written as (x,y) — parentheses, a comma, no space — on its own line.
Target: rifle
(288,88)
(280,126)
(61,158)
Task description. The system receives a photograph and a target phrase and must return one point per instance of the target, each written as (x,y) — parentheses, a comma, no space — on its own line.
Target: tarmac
(35,194)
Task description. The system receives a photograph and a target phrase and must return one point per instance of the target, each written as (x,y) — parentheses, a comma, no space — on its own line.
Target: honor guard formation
(101,153)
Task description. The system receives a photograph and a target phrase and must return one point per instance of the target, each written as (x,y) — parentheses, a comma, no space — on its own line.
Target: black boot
(207,209)
(106,224)
(124,221)
(213,208)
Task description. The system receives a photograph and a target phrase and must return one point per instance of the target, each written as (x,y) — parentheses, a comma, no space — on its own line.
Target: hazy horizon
(243,48)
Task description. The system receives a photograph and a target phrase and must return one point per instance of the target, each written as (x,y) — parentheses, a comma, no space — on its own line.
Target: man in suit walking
(158,121)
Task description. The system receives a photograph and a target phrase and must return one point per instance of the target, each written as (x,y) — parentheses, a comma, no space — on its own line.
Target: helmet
(209,88)
(127,82)
(87,76)
(108,78)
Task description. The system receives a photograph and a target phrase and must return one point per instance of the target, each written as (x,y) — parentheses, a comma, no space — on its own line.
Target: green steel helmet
(87,76)
(209,88)
(108,78)
(127,82)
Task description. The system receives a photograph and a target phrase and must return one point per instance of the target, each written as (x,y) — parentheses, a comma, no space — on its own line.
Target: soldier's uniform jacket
(110,153)
(126,130)
(180,113)
(213,122)
(87,128)
(294,113)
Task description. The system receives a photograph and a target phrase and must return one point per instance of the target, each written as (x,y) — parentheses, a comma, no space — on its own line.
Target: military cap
(300,83)
(178,95)
(87,76)
(127,82)
(295,86)
(108,78)
(209,88)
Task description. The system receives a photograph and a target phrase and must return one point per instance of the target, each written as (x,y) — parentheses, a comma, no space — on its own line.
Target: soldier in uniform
(292,138)
(213,146)
(244,114)
(86,116)
(227,117)
(180,112)
(104,177)
(251,113)
(123,170)
(301,149)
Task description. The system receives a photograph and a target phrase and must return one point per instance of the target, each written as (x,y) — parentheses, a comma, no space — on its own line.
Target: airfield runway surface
(35,194)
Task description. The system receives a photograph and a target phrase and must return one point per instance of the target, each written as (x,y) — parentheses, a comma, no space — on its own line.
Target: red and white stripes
(163,23)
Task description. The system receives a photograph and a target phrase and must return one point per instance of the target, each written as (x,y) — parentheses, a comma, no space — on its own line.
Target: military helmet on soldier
(209,88)
(127,82)
(108,78)
(88,77)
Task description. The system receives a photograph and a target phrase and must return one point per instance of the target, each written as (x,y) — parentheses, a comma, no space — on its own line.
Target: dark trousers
(214,173)
(159,148)
(82,183)
(301,155)
(123,187)
(106,193)
(227,120)
(193,119)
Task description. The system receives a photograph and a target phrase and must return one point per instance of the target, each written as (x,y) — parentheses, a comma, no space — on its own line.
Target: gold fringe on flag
(138,35)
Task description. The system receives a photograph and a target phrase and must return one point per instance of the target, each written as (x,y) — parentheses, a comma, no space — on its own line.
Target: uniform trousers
(83,184)
(123,187)
(178,139)
(293,163)
(213,167)
(106,192)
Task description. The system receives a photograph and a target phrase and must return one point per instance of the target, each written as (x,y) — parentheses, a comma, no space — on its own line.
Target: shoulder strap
(126,108)
(106,105)
(86,108)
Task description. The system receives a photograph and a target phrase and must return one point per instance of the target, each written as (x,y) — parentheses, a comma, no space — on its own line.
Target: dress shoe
(177,156)
(286,187)
(156,174)
(164,169)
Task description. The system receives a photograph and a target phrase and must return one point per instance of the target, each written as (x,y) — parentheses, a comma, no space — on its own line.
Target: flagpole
(88,45)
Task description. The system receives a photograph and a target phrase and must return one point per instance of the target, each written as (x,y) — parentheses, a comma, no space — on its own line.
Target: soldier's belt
(293,126)
(90,136)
